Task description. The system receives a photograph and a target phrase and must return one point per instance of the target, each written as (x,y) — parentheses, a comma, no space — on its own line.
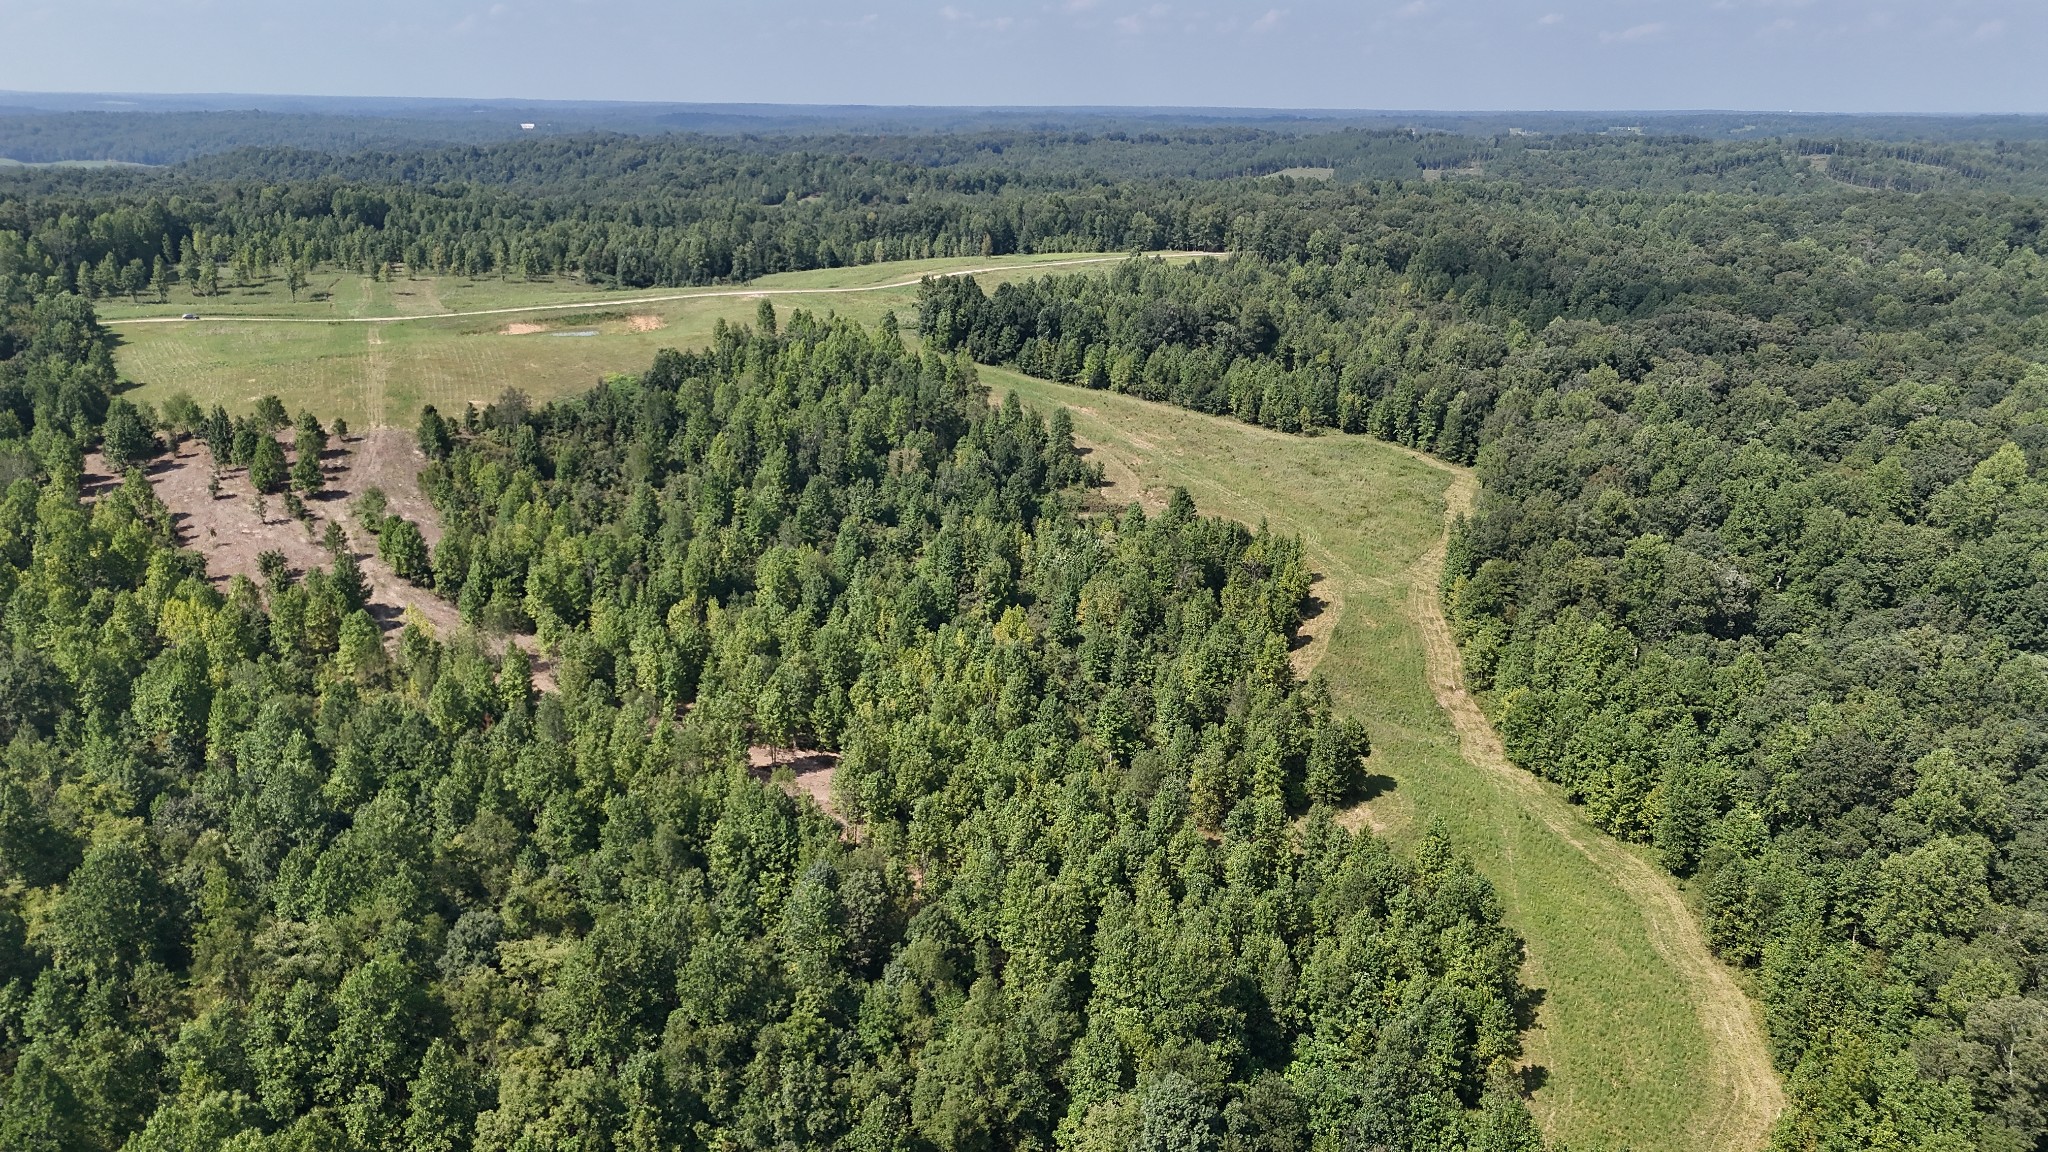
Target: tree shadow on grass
(1312,609)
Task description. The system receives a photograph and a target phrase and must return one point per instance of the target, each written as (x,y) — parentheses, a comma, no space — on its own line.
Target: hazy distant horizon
(200,100)
(1846,57)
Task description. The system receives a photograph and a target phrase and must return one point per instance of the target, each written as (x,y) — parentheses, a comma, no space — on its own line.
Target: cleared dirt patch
(1318,620)
(810,774)
(645,323)
(227,529)
(232,529)
(1121,486)
(389,458)
(521,328)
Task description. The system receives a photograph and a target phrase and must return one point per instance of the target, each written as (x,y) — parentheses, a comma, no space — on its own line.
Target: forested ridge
(688,210)
(37,137)
(1755,572)
(1757,153)
(267,883)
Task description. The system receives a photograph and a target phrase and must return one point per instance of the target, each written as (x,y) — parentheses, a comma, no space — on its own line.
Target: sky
(1772,55)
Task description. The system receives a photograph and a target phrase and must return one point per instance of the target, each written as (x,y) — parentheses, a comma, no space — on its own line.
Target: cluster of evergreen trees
(615,212)
(1755,572)
(267,884)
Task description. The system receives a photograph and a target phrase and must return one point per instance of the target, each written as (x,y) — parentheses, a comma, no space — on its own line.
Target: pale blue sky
(1810,55)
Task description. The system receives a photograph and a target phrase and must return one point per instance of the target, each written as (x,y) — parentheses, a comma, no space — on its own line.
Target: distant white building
(526,127)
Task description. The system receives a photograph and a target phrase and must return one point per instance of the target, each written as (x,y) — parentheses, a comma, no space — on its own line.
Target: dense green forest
(685,210)
(265,883)
(1754,151)
(612,212)
(1755,573)
(35,137)
(1762,432)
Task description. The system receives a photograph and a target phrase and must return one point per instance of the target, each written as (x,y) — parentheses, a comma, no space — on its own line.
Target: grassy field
(1627,1046)
(381,372)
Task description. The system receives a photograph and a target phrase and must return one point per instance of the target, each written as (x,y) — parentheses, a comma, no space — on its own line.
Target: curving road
(1648,1040)
(1748,1096)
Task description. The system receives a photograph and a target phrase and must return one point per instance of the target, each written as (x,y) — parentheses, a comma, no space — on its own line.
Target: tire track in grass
(1747,1089)
(709,294)
(1649,1041)
(1750,1097)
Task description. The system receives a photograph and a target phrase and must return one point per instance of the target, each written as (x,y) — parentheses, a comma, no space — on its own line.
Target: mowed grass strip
(1620,1044)
(380,374)
(340,295)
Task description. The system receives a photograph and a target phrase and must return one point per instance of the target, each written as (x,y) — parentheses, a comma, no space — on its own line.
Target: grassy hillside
(1638,1044)
(546,337)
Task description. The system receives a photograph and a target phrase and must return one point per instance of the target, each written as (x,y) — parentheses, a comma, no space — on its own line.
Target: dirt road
(625,302)
(1642,1039)
(1749,1092)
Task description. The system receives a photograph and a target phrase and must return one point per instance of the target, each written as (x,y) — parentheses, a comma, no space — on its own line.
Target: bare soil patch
(1361,817)
(1121,486)
(390,458)
(810,774)
(227,529)
(521,328)
(1318,620)
(233,529)
(647,323)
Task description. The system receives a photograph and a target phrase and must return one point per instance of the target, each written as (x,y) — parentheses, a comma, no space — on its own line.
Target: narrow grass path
(1642,1039)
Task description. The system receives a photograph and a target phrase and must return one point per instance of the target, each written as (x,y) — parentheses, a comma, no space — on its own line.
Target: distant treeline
(688,210)
(175,137)
(1695,150)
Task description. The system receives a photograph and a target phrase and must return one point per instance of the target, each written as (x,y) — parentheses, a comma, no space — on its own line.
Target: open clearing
(1643,1039)
(231,529)
(374,351)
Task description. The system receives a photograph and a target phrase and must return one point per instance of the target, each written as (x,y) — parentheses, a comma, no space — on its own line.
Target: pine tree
(350,581)
(307,475)
(434,437)
(126,438)
(266,464)
(402,547)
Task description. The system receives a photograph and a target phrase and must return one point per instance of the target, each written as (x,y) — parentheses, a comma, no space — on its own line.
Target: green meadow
(326,351)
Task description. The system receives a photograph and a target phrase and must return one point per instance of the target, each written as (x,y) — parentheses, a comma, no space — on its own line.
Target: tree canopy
(265,883)
(1754,573)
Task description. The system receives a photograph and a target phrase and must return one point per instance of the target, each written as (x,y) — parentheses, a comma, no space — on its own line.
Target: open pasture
(373,351)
